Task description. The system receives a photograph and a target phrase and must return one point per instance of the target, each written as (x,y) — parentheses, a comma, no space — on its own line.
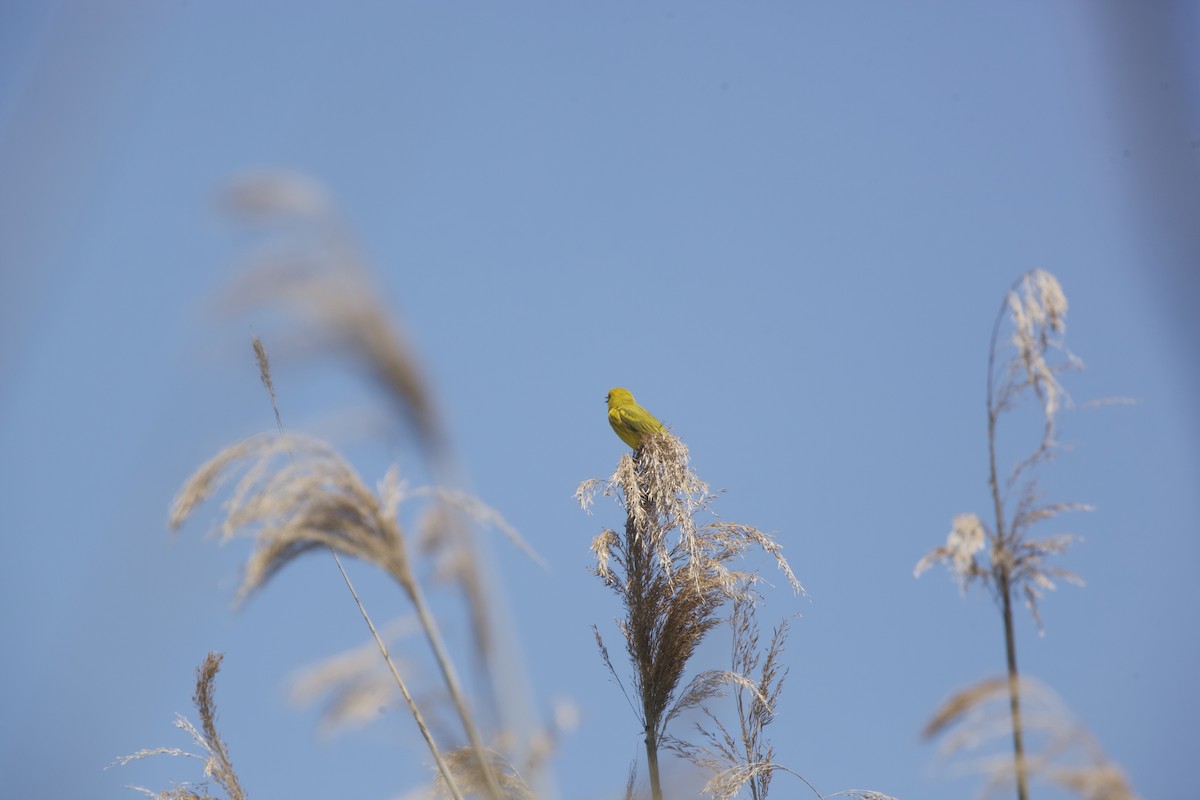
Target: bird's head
(619,397)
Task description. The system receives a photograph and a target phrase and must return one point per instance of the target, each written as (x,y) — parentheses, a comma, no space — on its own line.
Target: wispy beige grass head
(296,493)
(1035,310)
(672,574)
(293,492)
(465,766)
(1016,565)
(308,265)
(661,495)
(976,719)
(217,765)
(355,684)
(740,756)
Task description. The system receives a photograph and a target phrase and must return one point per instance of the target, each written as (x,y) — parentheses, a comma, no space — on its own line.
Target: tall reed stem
(400,570)
(640,557)
(1001,562)
(403,575)
(1014,694)
(652,765)
(443,768)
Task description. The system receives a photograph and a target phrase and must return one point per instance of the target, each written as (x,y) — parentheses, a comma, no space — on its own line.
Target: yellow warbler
(629,420)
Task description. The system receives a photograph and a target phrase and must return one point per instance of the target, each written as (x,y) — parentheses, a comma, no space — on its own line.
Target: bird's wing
(639,419)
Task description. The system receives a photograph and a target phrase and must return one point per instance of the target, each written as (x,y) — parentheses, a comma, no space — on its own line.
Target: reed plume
(1067,755)
(743,757)
(672,575)
(1016,564)
(307,271)
(296,494)
(217,765)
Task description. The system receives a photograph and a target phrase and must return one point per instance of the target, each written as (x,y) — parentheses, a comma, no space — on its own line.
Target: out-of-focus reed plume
(1066,754)
(296,494)
(306,266)
(1035,309)
(355,683)
(217,764)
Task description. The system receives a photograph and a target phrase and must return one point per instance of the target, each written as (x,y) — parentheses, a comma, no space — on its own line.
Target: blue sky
(786,227)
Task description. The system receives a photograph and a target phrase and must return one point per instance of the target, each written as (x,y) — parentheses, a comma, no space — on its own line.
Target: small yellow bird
(629,420)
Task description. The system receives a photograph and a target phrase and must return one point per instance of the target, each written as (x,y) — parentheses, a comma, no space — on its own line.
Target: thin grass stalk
(1016,563)
(419,718)
(1014,694)
(402,573)
(317,271)
(406,580)
(432,633)
(1003,582)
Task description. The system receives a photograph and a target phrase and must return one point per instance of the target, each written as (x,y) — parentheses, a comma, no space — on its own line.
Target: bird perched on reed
(630,421)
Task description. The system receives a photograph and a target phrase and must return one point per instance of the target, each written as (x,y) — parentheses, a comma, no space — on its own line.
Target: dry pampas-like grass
(472,777)
(672,574)
(297,494)
(1068,756)
(1016,564)
(1036,308)
(309,265)
(307,268)
(355,684)
(217,765)
(743,757)
(740,757)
